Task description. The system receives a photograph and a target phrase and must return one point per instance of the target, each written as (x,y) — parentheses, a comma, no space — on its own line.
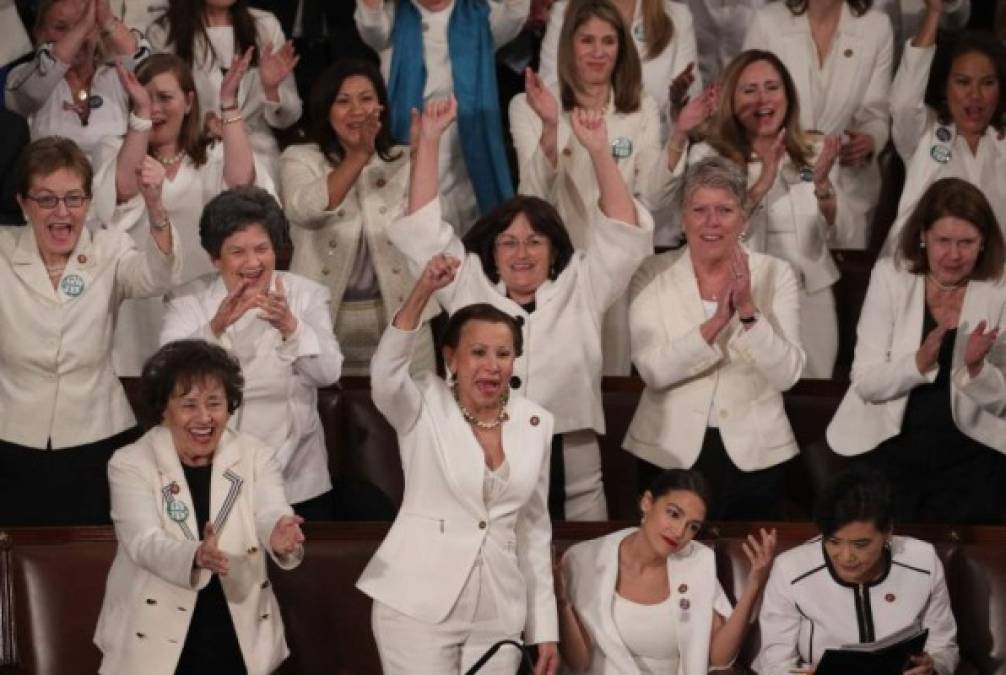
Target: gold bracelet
(232,120)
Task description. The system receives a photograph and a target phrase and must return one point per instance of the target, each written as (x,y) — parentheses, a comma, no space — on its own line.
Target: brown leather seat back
(976,578)
(373,444)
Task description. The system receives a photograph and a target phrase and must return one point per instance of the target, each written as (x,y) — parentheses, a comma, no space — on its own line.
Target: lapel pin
(890,597)
(806,174)
(683,588)
(177,511)
(940,153)
(174,488)
(82,258)
(684,604)
(72,285)
(621,147)
(534,420)
(848,53)
(943,134)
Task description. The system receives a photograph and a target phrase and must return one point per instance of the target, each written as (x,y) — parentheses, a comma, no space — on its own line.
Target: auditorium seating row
(52,581)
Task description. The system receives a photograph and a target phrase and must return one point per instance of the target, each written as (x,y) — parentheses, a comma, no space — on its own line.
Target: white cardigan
(591,569)
(57,381)
(153,585)
(444,524)
(739,378)
(282,377)
(884,370)
(561,365)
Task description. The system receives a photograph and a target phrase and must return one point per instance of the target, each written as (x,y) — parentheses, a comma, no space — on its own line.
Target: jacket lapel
(225,483)
(27,263)
(460,454)
(682,277)
(848,52)
(618,658)
(176,499)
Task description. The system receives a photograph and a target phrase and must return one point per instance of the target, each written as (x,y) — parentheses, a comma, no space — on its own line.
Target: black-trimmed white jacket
(808,609)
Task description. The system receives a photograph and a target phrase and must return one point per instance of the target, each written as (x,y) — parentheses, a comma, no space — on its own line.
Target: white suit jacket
(152,586)
(658,72)
(884,370)
(591,569)
(856,97)
(914,132)
(56,381)
(561,365)
(282,377)
(571,186)
(260,115)
(443,524)
(740,377)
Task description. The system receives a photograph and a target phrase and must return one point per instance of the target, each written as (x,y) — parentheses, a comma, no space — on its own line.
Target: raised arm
(133,150)
(239,160)
(506,19)
(116,37)
(157,268)
(373,21)
(909,114)
(277,60)
(427,129)
(615,200)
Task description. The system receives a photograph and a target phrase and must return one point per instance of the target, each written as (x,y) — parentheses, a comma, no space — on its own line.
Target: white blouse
(650,634)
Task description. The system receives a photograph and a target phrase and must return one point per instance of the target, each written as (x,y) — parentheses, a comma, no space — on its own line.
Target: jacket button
(326,271)
(381,182)
(482,524)
(151,601)
(141,635)
(520,320)
(340,213)
(332,243)
(515,382)
(567,152)
(395,270)
(253,550)
(382,210)
(266,615)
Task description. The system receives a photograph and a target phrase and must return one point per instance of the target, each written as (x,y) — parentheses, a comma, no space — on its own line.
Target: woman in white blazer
(210,37)
(792,204)
(279,327)
(175,603)
(958,133)
(341,192)
(519,259)
(63,409)
(715,367)
(647,599)
(856,582)
(69,89)
(839,54)
(194,171)
(467,561)
(928,388)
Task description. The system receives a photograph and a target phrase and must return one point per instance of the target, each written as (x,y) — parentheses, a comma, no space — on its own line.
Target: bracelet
(232,120)
(141,124)
(228,108)
(163,225)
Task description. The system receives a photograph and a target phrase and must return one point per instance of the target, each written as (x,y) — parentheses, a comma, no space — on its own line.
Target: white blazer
(260,115)
(282,377)
(443,524)
(327,241)
(720,26)
(591,569)
(884,371)
(571,185)
(152,586)
(658,72)
(57,382)
(739,378)
(561,365)
(915,130)
(855,97)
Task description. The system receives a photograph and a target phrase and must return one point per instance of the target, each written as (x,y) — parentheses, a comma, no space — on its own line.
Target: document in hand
(883,657)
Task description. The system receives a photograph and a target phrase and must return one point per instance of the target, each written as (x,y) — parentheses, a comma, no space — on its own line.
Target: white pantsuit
(282,377)
(884,371)
(153,584)
(561,365)
(591,569)
(848,91)
(445,528)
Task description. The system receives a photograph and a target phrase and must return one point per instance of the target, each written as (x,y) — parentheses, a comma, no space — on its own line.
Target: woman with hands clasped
(342,191)
(466,562)
(165,145)
(69,89)
(957,130)
(716,367)
(209,36)
(929,375)
(793,208)
(175,604)
(646,600)
(519,258)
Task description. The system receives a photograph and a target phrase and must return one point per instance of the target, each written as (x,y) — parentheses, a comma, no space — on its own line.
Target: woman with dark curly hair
(948,120)
(342,191)
(189,475)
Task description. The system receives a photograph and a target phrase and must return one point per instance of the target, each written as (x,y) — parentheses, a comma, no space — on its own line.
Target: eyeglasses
(73,200)
(512,244)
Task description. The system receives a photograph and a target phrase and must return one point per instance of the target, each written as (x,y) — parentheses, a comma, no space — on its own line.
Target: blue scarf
(473,66)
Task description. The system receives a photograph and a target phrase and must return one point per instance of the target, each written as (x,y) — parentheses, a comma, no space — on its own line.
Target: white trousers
(584,488)
(408,646)
(819,332)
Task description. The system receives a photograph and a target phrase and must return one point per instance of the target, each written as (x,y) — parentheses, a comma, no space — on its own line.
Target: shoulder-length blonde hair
(626,78)
(190,136)
(725,133)
(657,26)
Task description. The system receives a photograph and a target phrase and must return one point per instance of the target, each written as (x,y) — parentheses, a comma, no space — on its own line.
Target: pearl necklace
(168,161)
(470,417)
(946,288)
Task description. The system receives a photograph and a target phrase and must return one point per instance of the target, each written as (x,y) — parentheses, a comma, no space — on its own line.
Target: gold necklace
(168,161)
(946,288)
(501,416)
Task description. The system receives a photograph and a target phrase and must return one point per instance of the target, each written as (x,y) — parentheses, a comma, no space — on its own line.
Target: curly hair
(178,366)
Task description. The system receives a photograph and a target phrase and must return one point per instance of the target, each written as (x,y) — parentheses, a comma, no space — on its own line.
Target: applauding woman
(195,606)
(466,562)
(519,258)
(929,375)
(341,192)
(647,600)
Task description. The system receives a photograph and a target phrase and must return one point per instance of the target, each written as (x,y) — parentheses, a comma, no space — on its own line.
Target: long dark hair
(326,90)
(186,20)
(190,136)
(948,50)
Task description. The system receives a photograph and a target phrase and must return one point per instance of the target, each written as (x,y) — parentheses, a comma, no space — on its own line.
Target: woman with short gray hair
(715,367)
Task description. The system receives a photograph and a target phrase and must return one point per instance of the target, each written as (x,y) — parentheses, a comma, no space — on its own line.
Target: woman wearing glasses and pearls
(164,139)
(519,258)
(64,411)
